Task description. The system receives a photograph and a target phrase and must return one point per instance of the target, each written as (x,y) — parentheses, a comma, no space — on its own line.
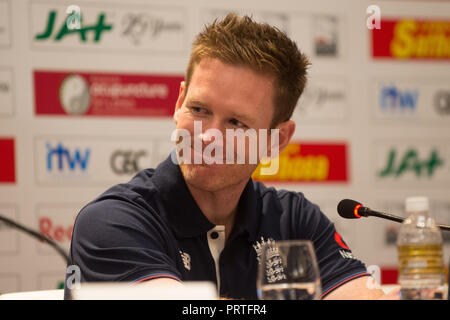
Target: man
(193,220)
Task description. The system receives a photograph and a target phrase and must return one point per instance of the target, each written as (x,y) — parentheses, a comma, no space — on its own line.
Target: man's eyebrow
(199,103)
(196,102)
(241,117)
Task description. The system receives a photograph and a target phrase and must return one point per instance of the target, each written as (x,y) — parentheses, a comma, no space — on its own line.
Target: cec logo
(442,102)
(126,161)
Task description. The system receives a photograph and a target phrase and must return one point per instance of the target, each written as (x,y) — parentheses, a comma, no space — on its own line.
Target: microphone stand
(366,212)
(37,235)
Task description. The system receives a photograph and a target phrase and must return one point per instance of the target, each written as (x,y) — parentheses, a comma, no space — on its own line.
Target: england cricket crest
(273,263)
(186,260)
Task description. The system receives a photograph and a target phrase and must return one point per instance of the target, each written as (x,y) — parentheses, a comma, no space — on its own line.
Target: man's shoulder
(136,193)
(298,217)
(141,185)
(282,202)
(283,196)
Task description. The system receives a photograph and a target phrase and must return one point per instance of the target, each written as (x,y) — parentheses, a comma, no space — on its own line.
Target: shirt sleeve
(336,261)
(116,240)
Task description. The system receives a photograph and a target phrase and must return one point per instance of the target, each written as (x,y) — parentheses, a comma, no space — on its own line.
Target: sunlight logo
(237,147)
(315,162)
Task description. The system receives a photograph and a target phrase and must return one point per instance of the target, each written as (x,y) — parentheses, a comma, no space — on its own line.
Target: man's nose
(212,131)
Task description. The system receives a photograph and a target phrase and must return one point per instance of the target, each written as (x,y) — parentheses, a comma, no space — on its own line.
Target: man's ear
(286,131)
(180,100)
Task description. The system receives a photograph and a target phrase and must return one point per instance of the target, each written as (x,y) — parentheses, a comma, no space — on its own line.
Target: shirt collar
(183,213)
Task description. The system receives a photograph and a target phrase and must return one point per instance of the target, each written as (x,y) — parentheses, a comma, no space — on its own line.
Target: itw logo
(61,158)
(393,98)
(398,165)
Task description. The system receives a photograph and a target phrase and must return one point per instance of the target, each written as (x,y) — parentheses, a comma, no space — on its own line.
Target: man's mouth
(199,157)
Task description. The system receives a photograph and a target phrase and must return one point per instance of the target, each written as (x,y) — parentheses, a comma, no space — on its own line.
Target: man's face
(221,96)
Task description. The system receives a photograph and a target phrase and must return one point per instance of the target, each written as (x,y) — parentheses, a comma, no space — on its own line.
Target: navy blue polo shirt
(151,227)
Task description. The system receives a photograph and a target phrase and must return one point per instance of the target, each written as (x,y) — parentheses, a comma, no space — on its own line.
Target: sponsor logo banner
(303,162)
(105,94)
(90,160)
(5,31)
(56,222)
(326,41)
(416,99)
(411,39)
(323,99)
(112,27)
(417,164)
(6,96)
(9,237)
(7,161)
(320,35)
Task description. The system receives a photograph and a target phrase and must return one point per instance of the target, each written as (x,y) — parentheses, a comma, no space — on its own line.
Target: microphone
(351,209)
(35,234)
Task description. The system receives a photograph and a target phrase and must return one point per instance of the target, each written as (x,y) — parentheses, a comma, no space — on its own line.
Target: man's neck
(219,207)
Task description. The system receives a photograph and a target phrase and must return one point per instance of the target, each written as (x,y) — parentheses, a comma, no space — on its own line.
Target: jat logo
(412,39)
(411,161)
(61,158)
(59,32)
(309,162)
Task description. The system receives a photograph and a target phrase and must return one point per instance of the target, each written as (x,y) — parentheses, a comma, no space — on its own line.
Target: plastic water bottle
(421,263)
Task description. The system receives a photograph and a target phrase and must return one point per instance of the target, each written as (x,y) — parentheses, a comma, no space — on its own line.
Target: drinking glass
(288,271)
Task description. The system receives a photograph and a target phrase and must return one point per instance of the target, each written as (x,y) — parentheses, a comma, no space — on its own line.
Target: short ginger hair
(264,49)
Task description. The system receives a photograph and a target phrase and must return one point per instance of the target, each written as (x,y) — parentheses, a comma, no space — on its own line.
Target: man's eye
(198,110)
(237,123)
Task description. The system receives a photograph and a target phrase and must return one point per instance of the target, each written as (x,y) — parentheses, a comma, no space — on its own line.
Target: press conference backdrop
(83,109)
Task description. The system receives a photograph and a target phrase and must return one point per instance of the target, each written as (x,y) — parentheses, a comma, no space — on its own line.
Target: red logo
(105,94)
(7,160)
(54,231)
(412,39)
(339,240)
(309,162)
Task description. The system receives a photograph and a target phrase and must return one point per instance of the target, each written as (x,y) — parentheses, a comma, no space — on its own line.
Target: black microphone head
(349,209)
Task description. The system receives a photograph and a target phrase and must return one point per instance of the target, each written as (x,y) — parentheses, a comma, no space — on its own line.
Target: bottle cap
(417,204)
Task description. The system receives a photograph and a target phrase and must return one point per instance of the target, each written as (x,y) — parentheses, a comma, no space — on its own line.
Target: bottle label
(420,259)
